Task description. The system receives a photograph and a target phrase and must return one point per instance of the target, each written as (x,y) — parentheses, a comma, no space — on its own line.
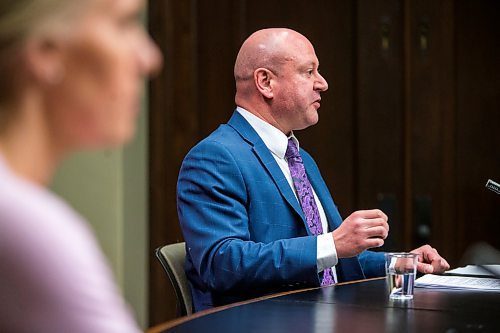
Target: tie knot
(291,150)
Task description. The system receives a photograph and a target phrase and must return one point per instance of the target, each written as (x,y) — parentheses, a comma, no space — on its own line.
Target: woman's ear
(44,60)
(263,78)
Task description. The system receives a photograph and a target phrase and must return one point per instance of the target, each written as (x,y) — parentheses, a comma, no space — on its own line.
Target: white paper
(483,270)
(457,282)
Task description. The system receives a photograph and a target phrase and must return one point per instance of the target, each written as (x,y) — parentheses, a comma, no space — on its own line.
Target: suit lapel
(347,269)
(266,158)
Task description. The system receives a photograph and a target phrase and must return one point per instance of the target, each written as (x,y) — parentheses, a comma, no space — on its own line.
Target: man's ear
(263,78)
(44,60)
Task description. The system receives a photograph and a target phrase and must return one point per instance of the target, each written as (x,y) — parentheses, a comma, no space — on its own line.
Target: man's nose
(321,83)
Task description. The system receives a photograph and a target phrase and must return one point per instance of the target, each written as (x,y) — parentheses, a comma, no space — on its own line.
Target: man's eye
(310,72)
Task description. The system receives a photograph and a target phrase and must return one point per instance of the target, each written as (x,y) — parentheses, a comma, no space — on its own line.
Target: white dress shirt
(277,142)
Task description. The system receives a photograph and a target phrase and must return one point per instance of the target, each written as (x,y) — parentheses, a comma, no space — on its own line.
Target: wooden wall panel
(218,42)
(379,111)
(173,124)
(431,102)
(477,121)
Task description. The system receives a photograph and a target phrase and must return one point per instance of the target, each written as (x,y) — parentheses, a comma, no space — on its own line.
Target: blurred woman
(71,74)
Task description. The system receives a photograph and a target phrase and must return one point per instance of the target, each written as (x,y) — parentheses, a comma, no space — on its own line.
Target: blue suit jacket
(245,232)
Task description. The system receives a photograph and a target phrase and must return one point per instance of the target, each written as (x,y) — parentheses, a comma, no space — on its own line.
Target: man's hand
(363,229)
(430,261)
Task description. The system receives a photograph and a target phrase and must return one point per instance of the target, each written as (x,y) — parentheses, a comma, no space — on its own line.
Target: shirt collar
(274,139)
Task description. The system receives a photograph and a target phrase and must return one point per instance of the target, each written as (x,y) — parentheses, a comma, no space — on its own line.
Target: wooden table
(351,307)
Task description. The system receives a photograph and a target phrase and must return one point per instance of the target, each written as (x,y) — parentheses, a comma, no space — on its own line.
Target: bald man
(255,213)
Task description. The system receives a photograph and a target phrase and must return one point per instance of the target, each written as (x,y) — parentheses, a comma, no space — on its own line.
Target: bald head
(267,48)
(277,79)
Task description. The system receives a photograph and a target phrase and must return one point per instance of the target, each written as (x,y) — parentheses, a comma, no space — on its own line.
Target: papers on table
(464,278)
(476,271)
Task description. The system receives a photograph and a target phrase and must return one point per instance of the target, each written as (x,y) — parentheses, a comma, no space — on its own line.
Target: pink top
(53,275)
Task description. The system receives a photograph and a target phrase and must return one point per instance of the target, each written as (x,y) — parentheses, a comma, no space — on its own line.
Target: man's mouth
(317,103)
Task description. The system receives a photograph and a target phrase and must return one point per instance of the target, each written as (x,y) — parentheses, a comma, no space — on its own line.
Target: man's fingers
(430,260)
(431,255)
(376,222)
(440,265)
(445,264)
(371,214)
(362,230)
(374,242)
(379,232)
(425,268)
(377,228)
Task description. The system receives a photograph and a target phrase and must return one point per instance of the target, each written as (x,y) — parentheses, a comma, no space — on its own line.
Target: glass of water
(400,269)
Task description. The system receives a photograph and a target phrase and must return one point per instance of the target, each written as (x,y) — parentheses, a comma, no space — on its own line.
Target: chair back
(172,259)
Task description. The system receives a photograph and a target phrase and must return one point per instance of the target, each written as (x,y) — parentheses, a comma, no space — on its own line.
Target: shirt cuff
(326,252)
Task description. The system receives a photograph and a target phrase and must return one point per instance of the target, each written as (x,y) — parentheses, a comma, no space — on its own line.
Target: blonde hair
(20,19)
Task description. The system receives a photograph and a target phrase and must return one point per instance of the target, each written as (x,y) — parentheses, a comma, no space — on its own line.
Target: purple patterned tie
(306,198)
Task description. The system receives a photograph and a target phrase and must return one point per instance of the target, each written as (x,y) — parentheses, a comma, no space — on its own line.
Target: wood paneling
(173,125)
(217,42)
(477,121)
(431,103)
(379,111)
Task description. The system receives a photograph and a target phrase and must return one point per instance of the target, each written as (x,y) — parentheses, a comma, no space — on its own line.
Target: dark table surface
(357,307)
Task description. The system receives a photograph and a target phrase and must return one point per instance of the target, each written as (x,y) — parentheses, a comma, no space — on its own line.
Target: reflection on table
(355,307)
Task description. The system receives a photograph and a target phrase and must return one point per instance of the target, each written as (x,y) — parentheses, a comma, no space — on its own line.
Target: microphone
(493,186)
